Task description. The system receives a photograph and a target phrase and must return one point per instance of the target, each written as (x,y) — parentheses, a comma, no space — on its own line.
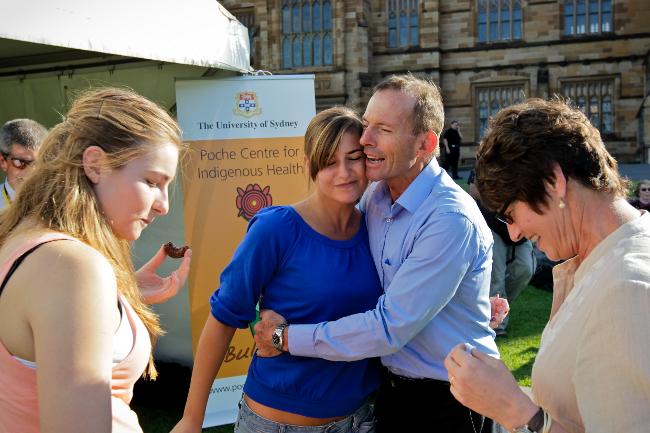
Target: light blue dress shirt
(433,252)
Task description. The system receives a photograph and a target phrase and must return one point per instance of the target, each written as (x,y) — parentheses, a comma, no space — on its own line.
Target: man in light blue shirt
(432,250)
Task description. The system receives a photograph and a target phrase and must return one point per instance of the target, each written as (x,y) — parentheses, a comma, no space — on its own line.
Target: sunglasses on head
(19,163)
(501,215)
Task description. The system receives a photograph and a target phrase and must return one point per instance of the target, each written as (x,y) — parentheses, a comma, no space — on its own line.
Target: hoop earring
(561,205)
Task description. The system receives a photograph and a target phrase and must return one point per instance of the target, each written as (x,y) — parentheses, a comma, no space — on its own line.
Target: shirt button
(389,220)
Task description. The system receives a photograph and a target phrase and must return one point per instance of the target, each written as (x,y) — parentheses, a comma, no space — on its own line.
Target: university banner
(246,139)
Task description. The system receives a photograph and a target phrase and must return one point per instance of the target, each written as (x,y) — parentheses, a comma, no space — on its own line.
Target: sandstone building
(485,54)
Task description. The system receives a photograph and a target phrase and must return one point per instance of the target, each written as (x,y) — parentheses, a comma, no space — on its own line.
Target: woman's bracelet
(548,422)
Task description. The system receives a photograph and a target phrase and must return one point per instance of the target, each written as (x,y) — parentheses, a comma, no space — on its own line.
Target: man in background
(451,140)
(513,262)
(19,143)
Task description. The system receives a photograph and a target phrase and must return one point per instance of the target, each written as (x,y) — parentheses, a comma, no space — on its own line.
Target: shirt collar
(420,188)
(10,191)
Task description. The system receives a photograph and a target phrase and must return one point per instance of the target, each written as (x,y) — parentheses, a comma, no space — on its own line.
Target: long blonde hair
(58,194)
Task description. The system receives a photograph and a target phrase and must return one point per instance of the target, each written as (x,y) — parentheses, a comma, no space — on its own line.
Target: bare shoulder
(68,268)
(73,255)
(63,294)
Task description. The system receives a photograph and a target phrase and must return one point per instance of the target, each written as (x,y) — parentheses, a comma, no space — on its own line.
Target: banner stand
(246,140)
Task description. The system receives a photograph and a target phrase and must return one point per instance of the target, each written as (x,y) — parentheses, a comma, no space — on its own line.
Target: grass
(528,316)
(529,313)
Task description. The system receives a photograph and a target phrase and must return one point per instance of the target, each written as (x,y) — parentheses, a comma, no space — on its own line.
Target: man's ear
(93,160)
(3,163)
(428,144)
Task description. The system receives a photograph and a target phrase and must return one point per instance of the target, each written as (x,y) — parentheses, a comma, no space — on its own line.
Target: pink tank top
(18,396)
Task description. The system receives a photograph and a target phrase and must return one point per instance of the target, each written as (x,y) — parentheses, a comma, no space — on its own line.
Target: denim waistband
(256,423)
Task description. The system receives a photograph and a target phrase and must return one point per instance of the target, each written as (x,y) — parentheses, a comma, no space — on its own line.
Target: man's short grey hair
(23,132)
(428,112)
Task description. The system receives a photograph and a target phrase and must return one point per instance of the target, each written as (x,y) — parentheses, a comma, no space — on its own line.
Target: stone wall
(449,52)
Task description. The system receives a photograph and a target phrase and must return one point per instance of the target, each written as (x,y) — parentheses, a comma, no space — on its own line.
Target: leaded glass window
(306,33)
(587,16)
(403,23)
(594,98)
(499,20)
(490,99)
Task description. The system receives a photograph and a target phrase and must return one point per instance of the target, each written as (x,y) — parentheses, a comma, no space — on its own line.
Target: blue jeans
(362,421)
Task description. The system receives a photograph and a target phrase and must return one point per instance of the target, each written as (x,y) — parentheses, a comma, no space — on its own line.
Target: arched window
(327,15)
(482,21)
(415,28)
(403,23)
(297,51)
(318,44)
(306,16)
(587,16)
(316,18)
(306,33)
(499,20)
(392,30)
(327,49)
(306,49)
(286,52)
(403,30)
(517,20)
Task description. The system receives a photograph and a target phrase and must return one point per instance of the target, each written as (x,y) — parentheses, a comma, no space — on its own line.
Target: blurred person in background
(641,199)
(19,143)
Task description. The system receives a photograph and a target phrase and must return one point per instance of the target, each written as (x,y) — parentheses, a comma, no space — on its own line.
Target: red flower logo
(250,200)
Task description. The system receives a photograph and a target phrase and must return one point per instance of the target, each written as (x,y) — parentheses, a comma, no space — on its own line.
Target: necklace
(480,430)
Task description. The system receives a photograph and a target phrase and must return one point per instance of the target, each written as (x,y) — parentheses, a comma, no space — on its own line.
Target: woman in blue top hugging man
(309,262)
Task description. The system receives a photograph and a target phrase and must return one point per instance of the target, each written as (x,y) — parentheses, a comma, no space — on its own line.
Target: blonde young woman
(75,328)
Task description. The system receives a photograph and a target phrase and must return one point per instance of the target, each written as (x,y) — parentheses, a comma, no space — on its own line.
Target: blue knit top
(307,278)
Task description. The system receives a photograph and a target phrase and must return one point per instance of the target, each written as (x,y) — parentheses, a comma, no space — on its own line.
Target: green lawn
(527,319)
(528,315)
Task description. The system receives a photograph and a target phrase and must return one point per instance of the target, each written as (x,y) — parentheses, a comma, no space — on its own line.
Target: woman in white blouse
(544,168)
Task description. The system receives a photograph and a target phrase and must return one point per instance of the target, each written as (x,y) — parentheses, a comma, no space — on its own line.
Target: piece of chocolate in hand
(173,251)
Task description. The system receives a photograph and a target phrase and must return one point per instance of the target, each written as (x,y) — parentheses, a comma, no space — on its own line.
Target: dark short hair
(453,121)
(324,134)
(23,132)
(523,143)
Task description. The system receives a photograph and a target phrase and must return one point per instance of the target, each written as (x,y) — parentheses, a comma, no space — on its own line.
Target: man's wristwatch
(535,424)
(277,338)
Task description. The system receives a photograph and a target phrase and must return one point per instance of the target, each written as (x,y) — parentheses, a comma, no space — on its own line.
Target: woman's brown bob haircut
(324,134)
(523,143)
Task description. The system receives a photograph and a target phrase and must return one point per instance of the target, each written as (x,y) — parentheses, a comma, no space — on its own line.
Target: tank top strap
(30,245)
